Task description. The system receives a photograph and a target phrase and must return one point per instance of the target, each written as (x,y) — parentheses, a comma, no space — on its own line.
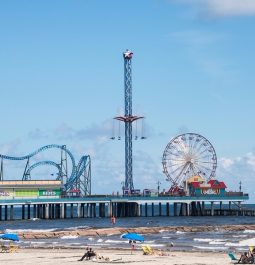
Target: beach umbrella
(133,236)
(12,237)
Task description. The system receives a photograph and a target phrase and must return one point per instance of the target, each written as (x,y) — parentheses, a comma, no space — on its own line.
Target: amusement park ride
(128,119)
(185,156)
(79,180)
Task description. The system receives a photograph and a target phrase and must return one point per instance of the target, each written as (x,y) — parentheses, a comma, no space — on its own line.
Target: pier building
(30,189)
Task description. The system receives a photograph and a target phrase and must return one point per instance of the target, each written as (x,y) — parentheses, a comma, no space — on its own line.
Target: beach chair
(147,250)
(12,247)
(4,249)
(233,258)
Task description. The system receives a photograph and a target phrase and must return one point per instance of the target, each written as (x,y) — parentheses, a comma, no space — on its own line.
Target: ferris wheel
(189,155)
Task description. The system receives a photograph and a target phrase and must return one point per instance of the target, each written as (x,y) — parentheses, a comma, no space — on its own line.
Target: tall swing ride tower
(128,120)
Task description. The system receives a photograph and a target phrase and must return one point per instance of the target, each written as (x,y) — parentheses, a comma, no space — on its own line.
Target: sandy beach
(71,256)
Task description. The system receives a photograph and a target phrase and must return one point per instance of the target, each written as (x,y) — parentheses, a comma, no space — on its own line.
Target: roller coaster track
(76,173)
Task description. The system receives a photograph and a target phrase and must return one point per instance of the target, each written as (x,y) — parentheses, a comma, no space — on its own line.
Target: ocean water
(218,240)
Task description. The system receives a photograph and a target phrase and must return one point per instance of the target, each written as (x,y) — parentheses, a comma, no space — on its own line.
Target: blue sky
(61,81)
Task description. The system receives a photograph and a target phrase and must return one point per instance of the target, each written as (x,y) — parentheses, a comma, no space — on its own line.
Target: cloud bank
(234,170)
(224,8)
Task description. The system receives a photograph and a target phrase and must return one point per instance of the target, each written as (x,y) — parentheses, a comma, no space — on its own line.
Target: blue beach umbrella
(12,237)
(133,236)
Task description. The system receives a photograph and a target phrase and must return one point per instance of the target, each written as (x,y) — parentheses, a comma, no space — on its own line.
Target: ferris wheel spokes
(188,155)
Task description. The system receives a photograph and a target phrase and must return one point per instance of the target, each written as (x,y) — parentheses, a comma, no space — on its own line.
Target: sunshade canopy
(133,236)
(12,237)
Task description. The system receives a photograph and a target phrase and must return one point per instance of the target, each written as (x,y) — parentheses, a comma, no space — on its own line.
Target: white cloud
(226,162)
(234,170)
(231,7)
(223,8)
(10,149)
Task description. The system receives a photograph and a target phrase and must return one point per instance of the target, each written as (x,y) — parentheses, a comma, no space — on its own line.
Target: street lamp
(158,186)
(122,186)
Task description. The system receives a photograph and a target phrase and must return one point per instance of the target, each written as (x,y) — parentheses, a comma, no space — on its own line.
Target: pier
(107,206)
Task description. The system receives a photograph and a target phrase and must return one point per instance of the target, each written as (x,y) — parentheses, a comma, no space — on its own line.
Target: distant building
(30,189)
(197,186)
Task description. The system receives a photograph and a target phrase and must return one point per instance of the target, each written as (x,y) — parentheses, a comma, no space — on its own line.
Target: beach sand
(71,256)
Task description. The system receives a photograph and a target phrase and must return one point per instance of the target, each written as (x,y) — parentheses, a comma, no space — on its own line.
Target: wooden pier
(107,206)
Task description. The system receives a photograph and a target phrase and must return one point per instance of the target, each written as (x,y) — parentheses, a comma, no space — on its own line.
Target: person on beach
(251,256)
(244,259)
(132,244)
(113,220)
(90,253)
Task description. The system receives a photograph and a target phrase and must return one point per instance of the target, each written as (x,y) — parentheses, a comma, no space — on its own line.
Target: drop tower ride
(128,119)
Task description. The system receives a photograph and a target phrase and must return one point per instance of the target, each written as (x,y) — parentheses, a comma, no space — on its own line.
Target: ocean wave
(211,248)
(217,242)
(77,227)
(148,241)
(230,244)
(247,242)
(36,242)
(157,245)
(69,237)
(29,230)
(249,231)
(203,239)
(100,245)
(179,232)
(115,241)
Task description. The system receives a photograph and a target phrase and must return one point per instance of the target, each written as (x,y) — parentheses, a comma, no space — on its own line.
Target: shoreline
(141,230)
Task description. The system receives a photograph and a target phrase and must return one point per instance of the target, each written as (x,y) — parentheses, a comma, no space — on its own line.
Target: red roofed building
(217,184)
(200,187)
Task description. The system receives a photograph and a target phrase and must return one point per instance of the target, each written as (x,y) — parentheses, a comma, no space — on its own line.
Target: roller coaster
(78,180)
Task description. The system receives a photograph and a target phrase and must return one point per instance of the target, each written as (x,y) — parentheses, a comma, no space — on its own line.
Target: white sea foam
(166,237)
(229,244)
(203,239)
(100,240)
(36,242)
(162,231)
(149,241)
(180,232)
(90,238)
(217,242)
(157,245)
(213,248)
(115,241)
(69,237)
(77,227)
(29,230)
(101,244)
(247,242)
(249,231)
